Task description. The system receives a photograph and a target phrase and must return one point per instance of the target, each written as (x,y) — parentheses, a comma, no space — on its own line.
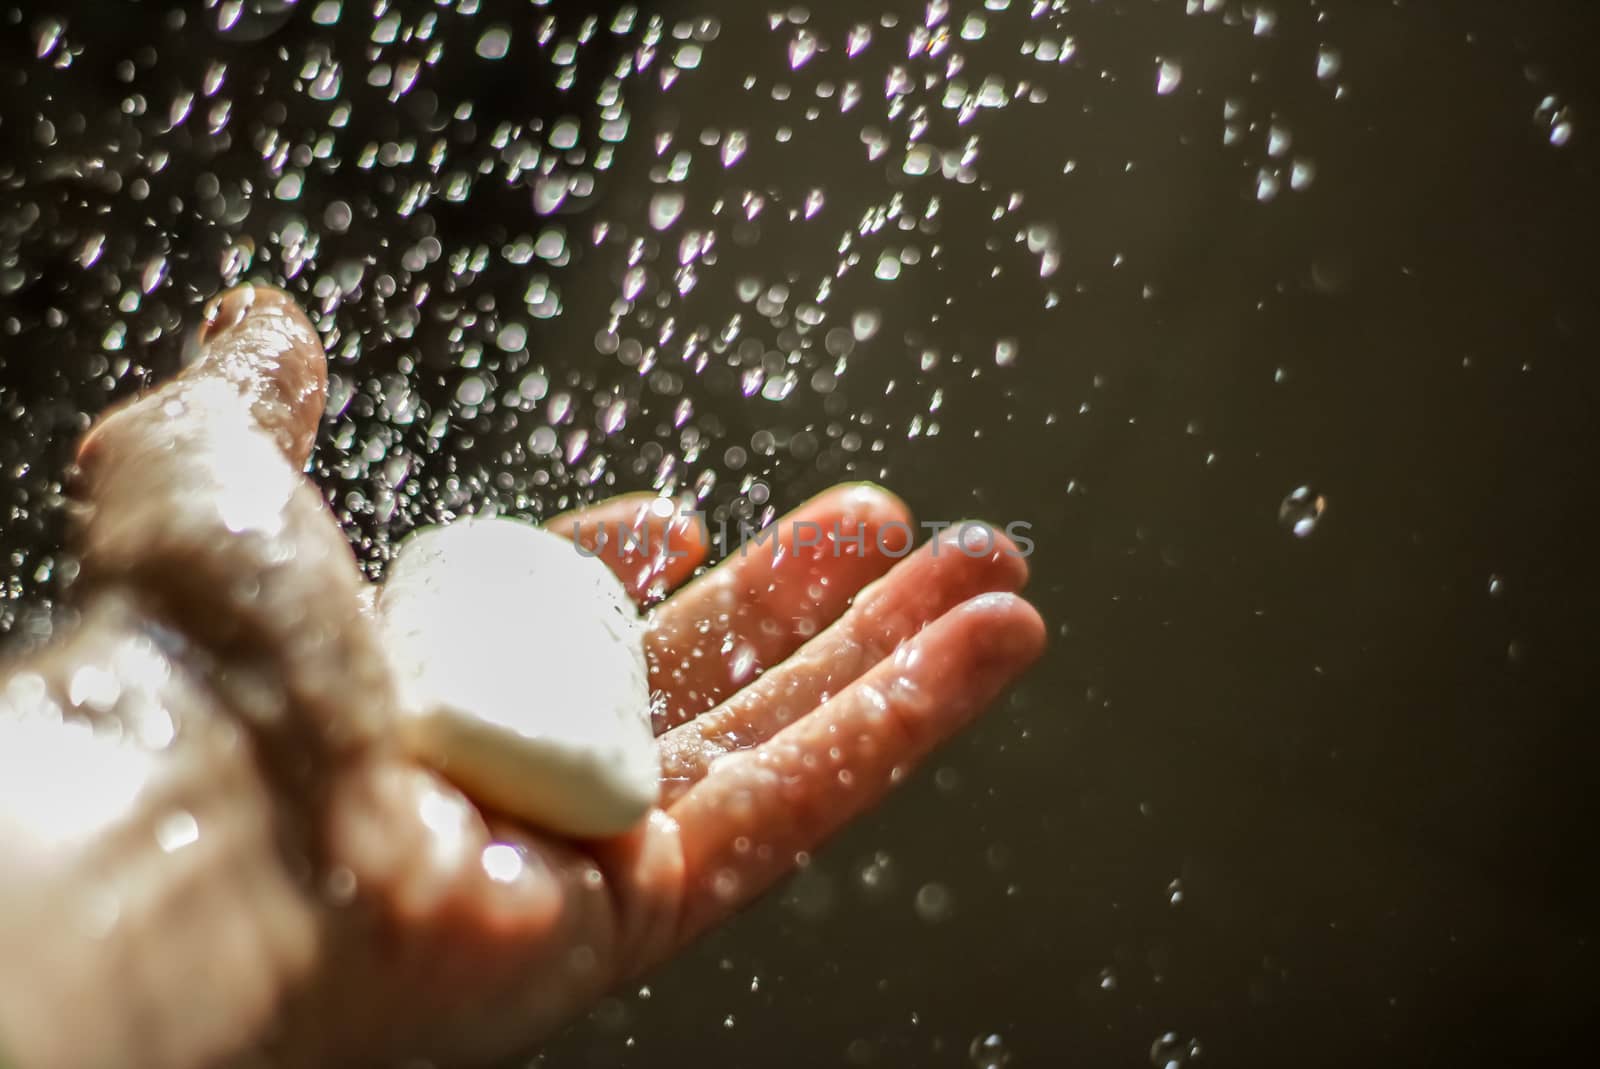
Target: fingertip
(225,311)
(231,307)
(258,338)
(879,495)
(856,520)
(867,503)
(981,540)
(1006,626)
(689,540)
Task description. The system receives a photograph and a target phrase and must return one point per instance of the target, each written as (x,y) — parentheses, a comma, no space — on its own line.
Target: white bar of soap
(522,672)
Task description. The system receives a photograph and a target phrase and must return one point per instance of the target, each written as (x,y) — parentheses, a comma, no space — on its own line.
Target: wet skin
(238,861)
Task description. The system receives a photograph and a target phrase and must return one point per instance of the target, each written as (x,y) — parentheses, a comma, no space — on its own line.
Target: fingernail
(226,311)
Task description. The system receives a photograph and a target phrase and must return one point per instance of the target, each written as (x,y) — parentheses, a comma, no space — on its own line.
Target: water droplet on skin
(742,665)
(502,863)
(1301,511)
(177,830)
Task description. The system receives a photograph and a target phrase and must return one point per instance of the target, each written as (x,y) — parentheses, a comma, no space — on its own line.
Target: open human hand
(337,903)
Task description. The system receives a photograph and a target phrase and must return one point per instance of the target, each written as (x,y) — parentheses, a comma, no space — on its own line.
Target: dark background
(1271,799)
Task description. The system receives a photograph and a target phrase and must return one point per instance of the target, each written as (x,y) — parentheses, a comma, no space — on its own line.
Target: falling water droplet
(244,21)
(934,903)
(1329,61)
(1168,77)
(1278,140)
(665,208)
(1301,174)
(1302,510)
(46,35)
(1267,185)
(495,42)
(1169,1051)
(550,192)
(1556,117)
(802,48)
(155,272)
(989,1052)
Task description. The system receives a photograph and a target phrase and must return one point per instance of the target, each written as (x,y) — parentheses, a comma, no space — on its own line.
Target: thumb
(191,499)
(256,340)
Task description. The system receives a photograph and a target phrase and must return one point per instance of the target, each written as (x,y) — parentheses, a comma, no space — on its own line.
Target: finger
(651,543)
(258,341)
(744,823)
(192,498)
(961,563)
(770,596)
(505,933)
(436,900)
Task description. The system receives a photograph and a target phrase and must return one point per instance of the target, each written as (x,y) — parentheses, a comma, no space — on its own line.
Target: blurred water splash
(519,229)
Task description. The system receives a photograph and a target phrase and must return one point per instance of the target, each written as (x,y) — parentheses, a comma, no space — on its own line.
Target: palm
(793,685)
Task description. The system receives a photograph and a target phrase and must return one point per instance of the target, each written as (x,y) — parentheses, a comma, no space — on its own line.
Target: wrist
(148,915)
